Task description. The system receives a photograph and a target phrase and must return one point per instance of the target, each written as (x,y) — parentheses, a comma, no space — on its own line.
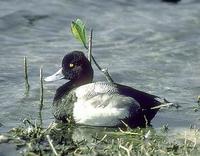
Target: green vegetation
(59,139)
(78,30)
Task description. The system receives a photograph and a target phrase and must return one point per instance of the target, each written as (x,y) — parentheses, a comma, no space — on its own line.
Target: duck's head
(75,67)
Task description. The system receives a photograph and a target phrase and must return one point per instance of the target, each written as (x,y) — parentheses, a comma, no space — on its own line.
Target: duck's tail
(151,111)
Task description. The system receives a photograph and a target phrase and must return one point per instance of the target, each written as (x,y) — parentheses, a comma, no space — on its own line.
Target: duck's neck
(67,87)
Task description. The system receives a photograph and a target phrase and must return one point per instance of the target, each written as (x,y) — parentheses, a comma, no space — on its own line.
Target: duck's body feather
(102,104)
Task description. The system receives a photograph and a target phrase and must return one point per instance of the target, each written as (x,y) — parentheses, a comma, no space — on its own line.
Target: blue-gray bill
(57,76)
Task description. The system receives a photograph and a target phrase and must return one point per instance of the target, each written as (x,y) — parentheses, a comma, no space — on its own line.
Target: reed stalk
(41,95)
(27,85)
(51,145)
(90,46)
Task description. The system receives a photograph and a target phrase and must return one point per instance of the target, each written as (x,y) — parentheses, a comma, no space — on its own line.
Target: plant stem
(41,95)
(104,71)
(27,86)
(90,46)
(162,105)
(51,145)
(25,121)
(126,149)
(90,57)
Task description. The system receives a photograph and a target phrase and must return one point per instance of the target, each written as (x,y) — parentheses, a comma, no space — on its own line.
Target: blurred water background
(149,45)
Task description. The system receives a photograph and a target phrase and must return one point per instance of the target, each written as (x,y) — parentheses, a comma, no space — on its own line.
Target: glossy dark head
(75,67)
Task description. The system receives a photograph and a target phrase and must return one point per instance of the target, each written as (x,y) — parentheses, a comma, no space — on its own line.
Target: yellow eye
(71,65)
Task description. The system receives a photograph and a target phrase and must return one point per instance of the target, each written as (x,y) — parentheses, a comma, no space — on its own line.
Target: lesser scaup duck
(98,103)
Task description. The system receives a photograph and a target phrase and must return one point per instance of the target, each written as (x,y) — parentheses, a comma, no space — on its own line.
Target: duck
(103,104)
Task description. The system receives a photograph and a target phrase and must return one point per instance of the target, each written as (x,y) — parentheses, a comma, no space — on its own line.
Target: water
(151,46)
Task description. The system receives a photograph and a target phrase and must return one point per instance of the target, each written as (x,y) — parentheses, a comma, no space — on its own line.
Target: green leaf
(79,31)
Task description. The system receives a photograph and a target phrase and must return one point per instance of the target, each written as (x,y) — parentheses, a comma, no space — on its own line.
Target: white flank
(101,106)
